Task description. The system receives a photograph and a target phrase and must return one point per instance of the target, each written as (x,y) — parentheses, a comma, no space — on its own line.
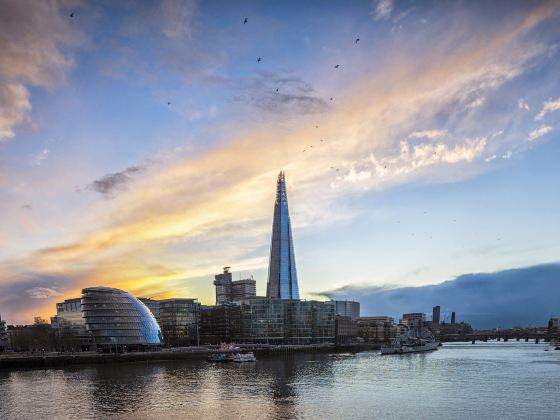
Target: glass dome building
(116,318)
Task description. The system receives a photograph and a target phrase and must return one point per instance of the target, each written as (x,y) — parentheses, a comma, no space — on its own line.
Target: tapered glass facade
(282,275)
(114,317)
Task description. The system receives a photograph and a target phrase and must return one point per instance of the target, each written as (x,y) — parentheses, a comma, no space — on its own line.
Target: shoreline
(16,361)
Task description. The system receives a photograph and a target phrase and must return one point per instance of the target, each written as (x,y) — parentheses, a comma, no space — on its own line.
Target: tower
(282,276)
(436,310)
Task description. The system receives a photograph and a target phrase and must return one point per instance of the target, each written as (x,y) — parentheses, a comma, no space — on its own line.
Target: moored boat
(244,357)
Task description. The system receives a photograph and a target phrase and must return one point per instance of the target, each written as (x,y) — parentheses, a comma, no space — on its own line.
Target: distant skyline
(140,143)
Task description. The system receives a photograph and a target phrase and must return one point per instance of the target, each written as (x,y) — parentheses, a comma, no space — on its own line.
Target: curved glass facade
(114,317)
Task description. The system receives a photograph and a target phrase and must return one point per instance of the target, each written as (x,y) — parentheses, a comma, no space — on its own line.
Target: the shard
(282,275)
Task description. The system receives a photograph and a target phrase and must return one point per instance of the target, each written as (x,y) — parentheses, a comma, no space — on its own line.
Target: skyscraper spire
(282,275)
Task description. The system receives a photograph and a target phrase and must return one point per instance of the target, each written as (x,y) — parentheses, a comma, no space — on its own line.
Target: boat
(244,357)
(412,342)
(218,358)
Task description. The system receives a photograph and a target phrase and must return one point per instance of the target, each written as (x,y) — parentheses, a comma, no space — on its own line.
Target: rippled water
(459,381)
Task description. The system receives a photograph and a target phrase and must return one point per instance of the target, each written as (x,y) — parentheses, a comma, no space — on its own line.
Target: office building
(223,286)
(243,289)
(436,311)
(220,324)
(116,319)
(70,326)
(228,290)
(152,305)
(553,325)
(346,330)
(281,321)
(376,328)
(179,319)
(282,275)
(347,308)
(453,317)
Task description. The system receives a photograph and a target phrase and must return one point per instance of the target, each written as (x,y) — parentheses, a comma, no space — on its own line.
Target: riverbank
(48,360)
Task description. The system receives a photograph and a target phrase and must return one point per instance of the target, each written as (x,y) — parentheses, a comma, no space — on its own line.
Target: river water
(459,381)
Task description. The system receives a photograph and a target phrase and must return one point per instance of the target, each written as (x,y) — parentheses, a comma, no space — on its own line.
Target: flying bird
(168,103)
(331,99)
(357,40)
(72,14)
(259,60)
(245,21)
(277,89)
(336,66)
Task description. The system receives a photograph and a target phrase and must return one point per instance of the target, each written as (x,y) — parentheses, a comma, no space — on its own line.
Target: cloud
(214,205)
(476,103)
(42,293)
(539,132)
(294,95)
(40,157)
(490,158)
(14,108)
(33,39)
(428,134)
(548,106)
(516,297)
(381,9)
(507,155)
(521,104)
(178,17)
(109,184)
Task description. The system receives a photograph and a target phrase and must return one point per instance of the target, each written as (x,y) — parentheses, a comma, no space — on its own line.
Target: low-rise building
(220,324)
(413,320)
(179,321)
(376,328)
(70,326)
(346,330)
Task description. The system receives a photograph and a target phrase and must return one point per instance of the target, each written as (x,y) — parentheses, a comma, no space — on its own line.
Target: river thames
(459,381)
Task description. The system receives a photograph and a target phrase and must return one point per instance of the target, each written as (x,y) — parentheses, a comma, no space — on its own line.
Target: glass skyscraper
(282,276)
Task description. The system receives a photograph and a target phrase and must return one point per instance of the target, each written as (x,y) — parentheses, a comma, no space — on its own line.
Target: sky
(140,143)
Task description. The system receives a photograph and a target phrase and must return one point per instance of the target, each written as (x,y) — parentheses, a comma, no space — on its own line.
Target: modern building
(152,305)
(179,318)
(282,321)
(346,330)
(223,286)
(282,275)
(228,290)
(70,326)
(453,317)
(436,312)
(347,308)
(220,324)
(116,319)
(243,289)
(376,328)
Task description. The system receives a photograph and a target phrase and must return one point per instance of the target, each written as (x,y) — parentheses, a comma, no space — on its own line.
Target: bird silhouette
(277,89)
(245,21)
(259,60)
(168,103)
(336,66)
(72,14)
(357,40)
(331,99)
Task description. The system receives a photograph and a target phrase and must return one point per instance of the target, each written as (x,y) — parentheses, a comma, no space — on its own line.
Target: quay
(55,359)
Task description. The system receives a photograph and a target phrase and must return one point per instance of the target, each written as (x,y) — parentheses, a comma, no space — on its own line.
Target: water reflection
(465,381)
